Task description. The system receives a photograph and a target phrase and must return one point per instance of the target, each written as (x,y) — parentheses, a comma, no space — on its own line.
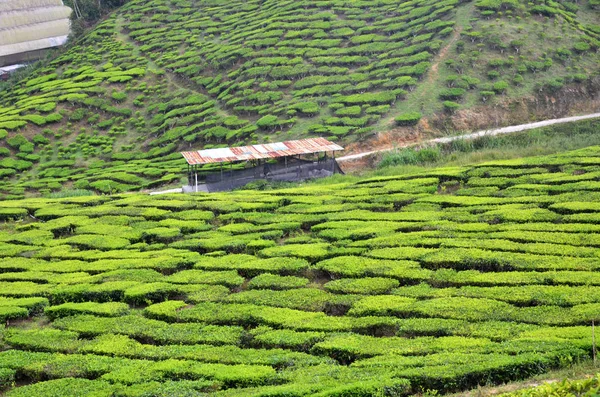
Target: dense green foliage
(439,280)
(110,112)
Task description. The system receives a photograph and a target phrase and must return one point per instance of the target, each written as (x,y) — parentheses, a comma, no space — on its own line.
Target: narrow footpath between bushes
(492,132)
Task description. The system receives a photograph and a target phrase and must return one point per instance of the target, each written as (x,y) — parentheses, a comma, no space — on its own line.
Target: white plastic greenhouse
(28,28)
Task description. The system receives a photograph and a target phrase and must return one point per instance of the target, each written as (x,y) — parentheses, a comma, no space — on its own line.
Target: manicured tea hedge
(383,285)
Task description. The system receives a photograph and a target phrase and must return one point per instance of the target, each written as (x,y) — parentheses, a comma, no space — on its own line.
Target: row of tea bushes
(390,284)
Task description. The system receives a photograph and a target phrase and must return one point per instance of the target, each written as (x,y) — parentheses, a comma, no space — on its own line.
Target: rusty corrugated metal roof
(266,151)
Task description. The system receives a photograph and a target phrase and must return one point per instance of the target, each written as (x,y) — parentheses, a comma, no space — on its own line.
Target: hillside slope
(443,279)
(157,76)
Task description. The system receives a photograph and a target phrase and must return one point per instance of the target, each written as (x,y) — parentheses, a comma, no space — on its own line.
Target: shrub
(118,96)
(12,313)
(366,285)
(383,305)
(53,118)
(581,46)
(77,115)
(93,241)
(66,386)
(227,278)
(109,309)
(352,111)
(7,377)
(13,124)
(378,98)
(274,281)
(159,331)
(500,86)
(33,305)
(46,107)
(250,265)
(450,106)
(16,141)
(267,122)
(12,213)
(452,93)
(301,340)
(307,108)
(151,292)
(39,139)
(408,119)
(312,252)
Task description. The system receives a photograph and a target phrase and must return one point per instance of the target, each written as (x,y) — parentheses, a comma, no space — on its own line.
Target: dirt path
(432,74)
(492,132)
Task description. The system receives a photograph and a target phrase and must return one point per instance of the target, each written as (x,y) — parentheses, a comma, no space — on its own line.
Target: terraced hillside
(158,76)
(439,280)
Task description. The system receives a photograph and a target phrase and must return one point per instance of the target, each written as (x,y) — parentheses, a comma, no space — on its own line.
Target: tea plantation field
(439,280)
(110,112)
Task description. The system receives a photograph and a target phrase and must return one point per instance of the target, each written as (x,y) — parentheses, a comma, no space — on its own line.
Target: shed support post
(196,177)
(333,161)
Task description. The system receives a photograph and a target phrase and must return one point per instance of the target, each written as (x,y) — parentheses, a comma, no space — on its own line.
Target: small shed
(282,161)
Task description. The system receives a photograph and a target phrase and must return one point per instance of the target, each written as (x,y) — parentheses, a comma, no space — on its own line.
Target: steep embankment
(473,135)
(111,112)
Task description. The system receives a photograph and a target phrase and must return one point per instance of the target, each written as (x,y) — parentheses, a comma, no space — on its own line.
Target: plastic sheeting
(11,5)
(37,31)
(28,27)
(13,19)
(33,45)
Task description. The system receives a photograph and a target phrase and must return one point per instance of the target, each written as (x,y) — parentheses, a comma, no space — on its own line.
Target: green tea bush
(152,292)
(51,340)
(452,93)
(109,309)
(101,242)
(227,278)
(366,285)
(274,281)
(310,252)
(441,276)
(68,386)
(308,299)
(33,305)
(158,331)
(7,378)
(12,313)
(408,119)
(381,305)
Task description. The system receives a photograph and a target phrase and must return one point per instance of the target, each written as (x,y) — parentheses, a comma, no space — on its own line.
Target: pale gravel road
(492,132)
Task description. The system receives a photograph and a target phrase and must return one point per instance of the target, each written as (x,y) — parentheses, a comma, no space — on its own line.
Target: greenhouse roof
(31,25)
(255,152)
